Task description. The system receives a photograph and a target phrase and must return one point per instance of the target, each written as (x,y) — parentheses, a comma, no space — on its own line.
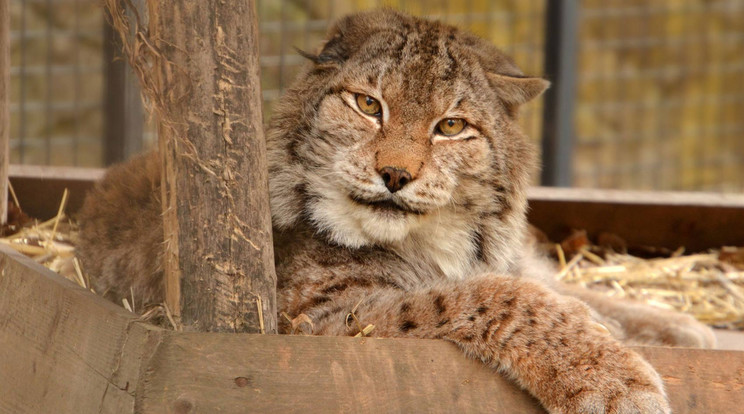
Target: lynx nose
(395,178)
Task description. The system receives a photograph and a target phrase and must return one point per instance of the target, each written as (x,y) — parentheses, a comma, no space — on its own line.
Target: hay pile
(708,286)
(50,243)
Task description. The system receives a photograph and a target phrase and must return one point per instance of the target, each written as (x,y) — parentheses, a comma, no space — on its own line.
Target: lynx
(397,183)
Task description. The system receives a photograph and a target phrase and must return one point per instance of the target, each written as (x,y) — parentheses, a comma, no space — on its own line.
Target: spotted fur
(443,256)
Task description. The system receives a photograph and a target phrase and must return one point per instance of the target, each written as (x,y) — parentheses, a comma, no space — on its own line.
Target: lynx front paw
(633,402)
(625,386)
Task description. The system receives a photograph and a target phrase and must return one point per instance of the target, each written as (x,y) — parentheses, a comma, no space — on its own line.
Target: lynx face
(403,132)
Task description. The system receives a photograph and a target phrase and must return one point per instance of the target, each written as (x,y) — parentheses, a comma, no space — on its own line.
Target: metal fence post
(558,116)
(123,113)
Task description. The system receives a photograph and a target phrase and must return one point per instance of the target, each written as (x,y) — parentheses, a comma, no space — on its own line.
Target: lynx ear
(514,90)
(335,51)
(343,38)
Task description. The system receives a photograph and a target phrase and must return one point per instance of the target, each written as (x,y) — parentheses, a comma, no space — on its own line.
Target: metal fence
(660,96)
(655,97)
(56,82)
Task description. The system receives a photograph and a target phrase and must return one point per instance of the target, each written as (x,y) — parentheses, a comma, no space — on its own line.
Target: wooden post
(198,66)
(4,110)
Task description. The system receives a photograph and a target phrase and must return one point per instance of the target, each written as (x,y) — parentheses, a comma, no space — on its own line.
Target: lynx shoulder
(397,175)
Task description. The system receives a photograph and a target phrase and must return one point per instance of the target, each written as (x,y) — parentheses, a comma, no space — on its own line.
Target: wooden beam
(243,373)
(4,107)
(199,66)
(66,350)
(39,188)
(259,374)
(697,221)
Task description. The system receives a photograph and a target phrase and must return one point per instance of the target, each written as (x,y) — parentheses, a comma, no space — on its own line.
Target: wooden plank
(728,339)
(668,219)
(259,374)
(700,381)
(4,107)
(65,350)
(697,221)
(40,188)
(244,373)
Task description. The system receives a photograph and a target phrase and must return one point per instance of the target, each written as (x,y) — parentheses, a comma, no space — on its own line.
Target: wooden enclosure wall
(66,350)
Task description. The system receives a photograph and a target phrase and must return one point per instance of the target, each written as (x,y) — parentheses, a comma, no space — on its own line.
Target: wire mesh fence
(660,100)
(659,94)
(56,82)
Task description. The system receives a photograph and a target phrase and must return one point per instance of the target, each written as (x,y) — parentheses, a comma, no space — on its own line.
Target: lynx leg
(644,325)
(545,342)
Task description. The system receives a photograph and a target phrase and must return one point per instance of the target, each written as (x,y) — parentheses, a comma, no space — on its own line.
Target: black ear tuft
(307,55)
(334,51)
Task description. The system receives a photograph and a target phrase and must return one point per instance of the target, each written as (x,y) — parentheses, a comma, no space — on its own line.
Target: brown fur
(443,257)
(121,233)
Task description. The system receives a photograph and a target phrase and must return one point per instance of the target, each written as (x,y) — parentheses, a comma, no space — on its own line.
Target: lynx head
(403,130)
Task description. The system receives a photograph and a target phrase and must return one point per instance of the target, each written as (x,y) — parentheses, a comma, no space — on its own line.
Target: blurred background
(647,94)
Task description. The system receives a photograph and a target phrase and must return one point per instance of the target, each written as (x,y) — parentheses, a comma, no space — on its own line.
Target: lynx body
(397,177)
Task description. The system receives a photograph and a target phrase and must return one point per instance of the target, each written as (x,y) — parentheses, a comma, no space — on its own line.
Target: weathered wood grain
(205,88)
(245,373)
(260,374)
(700,381)
(64,349)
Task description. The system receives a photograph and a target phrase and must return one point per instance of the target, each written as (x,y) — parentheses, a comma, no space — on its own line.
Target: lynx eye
(369,105)
(450,126)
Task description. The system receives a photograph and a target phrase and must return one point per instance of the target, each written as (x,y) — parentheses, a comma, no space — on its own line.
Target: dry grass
(50,243)
(708,286)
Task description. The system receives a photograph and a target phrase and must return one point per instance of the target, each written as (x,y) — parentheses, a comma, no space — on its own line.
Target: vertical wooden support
(198,67)
(4,107)
(215,178)
(558,116)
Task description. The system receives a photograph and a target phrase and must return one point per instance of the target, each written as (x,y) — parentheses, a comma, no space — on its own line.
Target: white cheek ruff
(441,238)
(444,239)
(354,225)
